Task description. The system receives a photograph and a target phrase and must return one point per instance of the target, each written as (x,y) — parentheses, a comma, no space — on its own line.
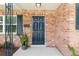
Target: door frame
(44,34)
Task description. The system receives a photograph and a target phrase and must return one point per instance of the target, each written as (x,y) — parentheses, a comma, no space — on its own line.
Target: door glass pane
(41,26)
(1,28)
(35,18)
(41,18)
(35,26)
(35,37)
(41,36)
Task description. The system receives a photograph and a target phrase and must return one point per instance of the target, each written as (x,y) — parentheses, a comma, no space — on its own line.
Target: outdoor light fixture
(38,5)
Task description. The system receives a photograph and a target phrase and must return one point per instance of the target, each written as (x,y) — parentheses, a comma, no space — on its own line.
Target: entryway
(38,30)
(38,51)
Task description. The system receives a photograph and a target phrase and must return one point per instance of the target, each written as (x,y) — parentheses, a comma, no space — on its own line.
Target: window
(2,23)
(14,23)
(77,16)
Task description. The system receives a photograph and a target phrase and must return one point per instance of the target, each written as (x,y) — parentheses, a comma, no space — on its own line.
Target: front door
(38,30)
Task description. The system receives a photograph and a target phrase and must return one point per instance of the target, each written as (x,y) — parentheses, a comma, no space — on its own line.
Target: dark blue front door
(38,30)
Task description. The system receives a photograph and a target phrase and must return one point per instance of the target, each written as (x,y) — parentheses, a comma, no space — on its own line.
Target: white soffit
(32,6)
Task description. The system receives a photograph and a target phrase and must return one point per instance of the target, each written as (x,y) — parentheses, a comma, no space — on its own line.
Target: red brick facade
(59,27)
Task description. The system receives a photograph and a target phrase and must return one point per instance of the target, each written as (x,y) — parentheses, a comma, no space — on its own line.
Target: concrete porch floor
(38,51)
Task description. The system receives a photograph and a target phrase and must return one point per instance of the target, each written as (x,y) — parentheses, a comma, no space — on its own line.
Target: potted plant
(72,50)
(24,41)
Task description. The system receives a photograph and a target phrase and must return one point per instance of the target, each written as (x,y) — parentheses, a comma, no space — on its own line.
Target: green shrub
(72,50)
(24,39)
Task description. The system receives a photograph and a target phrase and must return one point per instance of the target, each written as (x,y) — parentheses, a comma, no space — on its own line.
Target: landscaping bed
(2,50)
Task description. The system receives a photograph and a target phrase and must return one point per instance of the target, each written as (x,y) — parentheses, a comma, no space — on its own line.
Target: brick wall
(27,19)
(65,29)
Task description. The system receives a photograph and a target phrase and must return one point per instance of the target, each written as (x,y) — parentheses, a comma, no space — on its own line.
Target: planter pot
(24,47)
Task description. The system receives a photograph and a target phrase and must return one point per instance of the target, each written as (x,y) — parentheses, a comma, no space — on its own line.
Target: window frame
(3,32)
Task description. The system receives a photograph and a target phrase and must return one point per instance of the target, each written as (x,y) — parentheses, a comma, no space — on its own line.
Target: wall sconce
(38,5)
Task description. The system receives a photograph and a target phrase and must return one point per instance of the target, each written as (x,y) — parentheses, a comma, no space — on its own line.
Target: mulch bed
(2,50)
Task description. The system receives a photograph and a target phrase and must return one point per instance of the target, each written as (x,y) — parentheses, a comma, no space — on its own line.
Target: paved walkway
(38,51)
